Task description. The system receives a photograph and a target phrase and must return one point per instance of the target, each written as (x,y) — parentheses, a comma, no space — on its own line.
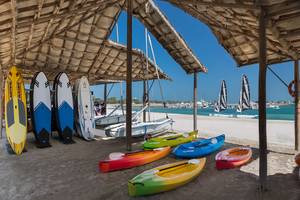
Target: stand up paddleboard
(15,110)
(63,107)
(84,117)
(40,106)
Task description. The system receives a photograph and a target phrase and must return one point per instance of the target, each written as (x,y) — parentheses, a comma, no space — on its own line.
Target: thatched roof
(72,36)
(235,24)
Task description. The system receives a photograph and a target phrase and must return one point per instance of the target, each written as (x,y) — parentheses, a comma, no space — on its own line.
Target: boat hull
(133,159)
(172,140)
(166,177)
(199,148)
(234,157)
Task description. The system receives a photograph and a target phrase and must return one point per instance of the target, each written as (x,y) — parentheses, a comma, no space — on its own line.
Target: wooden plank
(215,4)
(195,102)
(105,98)
(262,101)
(297,105)
(1,100)
(129,77)
(144,99)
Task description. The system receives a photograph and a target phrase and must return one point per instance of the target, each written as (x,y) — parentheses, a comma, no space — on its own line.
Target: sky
(220,64)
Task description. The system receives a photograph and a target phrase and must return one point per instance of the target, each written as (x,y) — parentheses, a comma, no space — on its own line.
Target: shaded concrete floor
(65,172)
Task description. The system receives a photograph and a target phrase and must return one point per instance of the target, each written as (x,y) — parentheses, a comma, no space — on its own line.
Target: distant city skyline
(204,44)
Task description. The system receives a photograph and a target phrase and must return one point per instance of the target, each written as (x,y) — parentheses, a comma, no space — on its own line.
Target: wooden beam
(195,107)
(129,76)
(13,31)
(215,4)
(262,100)
(297,105)
(145,94)
(1,100)
(105,98)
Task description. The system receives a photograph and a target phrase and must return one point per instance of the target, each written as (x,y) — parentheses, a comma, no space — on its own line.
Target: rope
(111,87)
(157,73)
(277,76)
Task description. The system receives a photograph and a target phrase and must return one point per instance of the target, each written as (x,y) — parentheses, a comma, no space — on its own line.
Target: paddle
(193,161)
(118,155)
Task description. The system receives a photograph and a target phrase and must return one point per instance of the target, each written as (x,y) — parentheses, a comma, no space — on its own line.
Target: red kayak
(118,161)
(234,157)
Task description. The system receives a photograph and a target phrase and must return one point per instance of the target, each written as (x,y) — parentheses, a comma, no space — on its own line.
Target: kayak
(165,177)
(118,161)
(297,160)
(170,140)
(199,148)
(234,157)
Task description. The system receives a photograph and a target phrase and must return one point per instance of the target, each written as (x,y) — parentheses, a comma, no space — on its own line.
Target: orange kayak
(233,157)
(118,161)
(297,159)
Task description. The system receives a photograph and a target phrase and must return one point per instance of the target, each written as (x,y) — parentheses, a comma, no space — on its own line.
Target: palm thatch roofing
(235,24)
(72,36)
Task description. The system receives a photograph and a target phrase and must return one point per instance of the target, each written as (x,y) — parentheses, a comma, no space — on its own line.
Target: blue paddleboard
(40,107)
(63,107)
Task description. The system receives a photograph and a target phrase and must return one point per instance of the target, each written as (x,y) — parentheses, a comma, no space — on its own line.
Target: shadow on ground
(71,172)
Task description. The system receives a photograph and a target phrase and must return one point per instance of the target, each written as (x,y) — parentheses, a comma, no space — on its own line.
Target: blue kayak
(199,148)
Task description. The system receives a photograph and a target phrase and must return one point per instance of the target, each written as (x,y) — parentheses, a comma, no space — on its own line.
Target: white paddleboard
(85,117)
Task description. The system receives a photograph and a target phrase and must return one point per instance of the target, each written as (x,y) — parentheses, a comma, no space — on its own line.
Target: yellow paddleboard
(15,110)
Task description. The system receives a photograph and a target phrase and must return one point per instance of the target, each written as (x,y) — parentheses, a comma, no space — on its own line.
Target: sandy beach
(65,172)
(237,130)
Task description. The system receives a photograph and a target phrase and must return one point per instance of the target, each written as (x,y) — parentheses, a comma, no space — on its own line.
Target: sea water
(283,113)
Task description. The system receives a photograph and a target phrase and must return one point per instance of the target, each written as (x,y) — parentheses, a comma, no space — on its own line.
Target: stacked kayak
(170,140)
(199,148)
(234,157)
(165,177)
(118,161)
(297,160)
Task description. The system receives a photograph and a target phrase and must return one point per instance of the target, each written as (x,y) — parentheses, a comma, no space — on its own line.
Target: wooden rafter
(13,31)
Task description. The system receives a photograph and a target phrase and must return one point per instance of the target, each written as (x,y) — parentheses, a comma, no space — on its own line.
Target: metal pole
(129,76)
(297,107)
(195,101)
(105,98)
(144,100)
(262,101)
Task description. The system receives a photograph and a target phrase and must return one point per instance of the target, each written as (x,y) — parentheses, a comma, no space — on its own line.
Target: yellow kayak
(15,110)
(166,177)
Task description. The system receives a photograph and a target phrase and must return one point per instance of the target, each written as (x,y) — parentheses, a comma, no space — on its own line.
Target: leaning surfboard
(15,110)
(63,107)
(40,107)
(84,117)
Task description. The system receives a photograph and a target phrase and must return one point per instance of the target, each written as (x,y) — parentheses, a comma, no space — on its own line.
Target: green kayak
(170,140)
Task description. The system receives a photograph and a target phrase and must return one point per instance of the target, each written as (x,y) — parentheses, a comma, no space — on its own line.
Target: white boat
(222,101)
(244,102)
(112,118)
(140,128)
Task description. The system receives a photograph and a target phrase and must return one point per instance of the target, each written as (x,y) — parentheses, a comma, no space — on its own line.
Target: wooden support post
(105,98)
(144,99)
(262,100)
(195,102)
(297,106)
(129,76)
(1,101)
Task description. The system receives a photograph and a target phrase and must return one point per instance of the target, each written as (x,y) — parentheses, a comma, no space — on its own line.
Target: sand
(65,172)
(279,132)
